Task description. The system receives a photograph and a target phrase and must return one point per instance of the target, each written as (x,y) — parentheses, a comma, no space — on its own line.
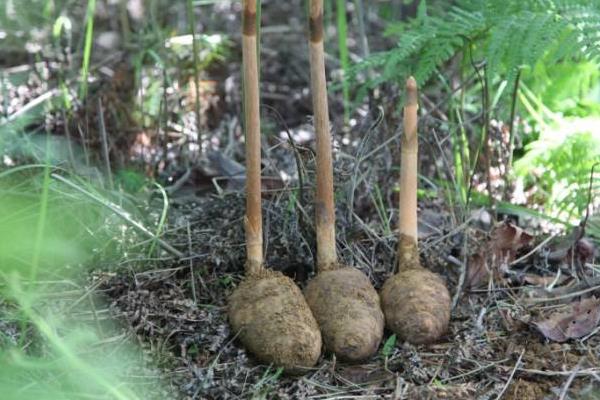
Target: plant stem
(486,138)
(253,219)
(511,140)
(105,147)
(342,27)
(120,213)
(408,164)
(196,61)
(43,216)
(87,49)
(324,208)
(124,21)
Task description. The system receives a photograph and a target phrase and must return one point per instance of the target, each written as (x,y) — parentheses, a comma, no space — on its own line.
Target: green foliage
(130,180)
(64,222)
(388,346)
(70,363)
(49,351)
(558,165)
(571,88)
(263,389)
(507,34)
(551,44)
(87,47)
(211,49)
(27,21)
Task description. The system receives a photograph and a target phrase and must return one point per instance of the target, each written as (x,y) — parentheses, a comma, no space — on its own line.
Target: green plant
(162,220)
(263,388)
(569,88)
(551,74)
(551,29)
(18,19)
(48,235)
(388,346)
(87,48)
(379,205)
(558,165)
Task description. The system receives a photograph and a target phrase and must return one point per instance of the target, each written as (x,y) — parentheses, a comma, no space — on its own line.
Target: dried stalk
(267,308)
(342,298)
(253,218)
(324,206)
(415,301)
(409,164)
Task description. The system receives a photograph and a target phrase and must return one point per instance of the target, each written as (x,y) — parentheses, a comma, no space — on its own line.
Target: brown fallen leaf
(495,255)
(508,239)
(361,375)
(538,280)
(580,321)
(570,248)
(478,271)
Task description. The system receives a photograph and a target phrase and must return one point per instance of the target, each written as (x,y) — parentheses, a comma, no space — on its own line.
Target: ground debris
(579,321)
(496,253)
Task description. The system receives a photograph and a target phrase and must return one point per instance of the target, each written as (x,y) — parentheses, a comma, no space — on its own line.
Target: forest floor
(504,339)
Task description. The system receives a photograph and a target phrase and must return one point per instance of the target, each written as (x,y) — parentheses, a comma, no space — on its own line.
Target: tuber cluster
(267,310)
(342,299)
(415,301)
(340,308)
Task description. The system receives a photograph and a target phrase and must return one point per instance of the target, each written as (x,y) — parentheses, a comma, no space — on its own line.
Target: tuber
(267,310)
(274,322)
(342,299)
(415,301)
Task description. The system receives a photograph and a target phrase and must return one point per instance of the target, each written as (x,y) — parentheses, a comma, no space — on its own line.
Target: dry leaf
(538,280)
(508,239)
(496,255)
(361,375)
(580,321)
(478,272)
(572,247)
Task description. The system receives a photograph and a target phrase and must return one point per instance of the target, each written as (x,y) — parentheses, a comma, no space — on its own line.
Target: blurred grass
(49,236)
(87,49)
(42,227)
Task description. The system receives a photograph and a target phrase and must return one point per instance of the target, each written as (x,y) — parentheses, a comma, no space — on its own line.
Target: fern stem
(513,109)
(486,137)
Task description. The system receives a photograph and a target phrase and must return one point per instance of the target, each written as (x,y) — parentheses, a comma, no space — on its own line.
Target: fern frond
(510,34)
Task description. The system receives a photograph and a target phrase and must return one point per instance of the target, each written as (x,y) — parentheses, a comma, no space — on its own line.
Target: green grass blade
(163,218)
(87,48)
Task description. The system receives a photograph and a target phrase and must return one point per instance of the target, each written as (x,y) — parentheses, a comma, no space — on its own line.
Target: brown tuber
(348,311)
(344,302)
(415,301)
(267,310)
(274,321)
